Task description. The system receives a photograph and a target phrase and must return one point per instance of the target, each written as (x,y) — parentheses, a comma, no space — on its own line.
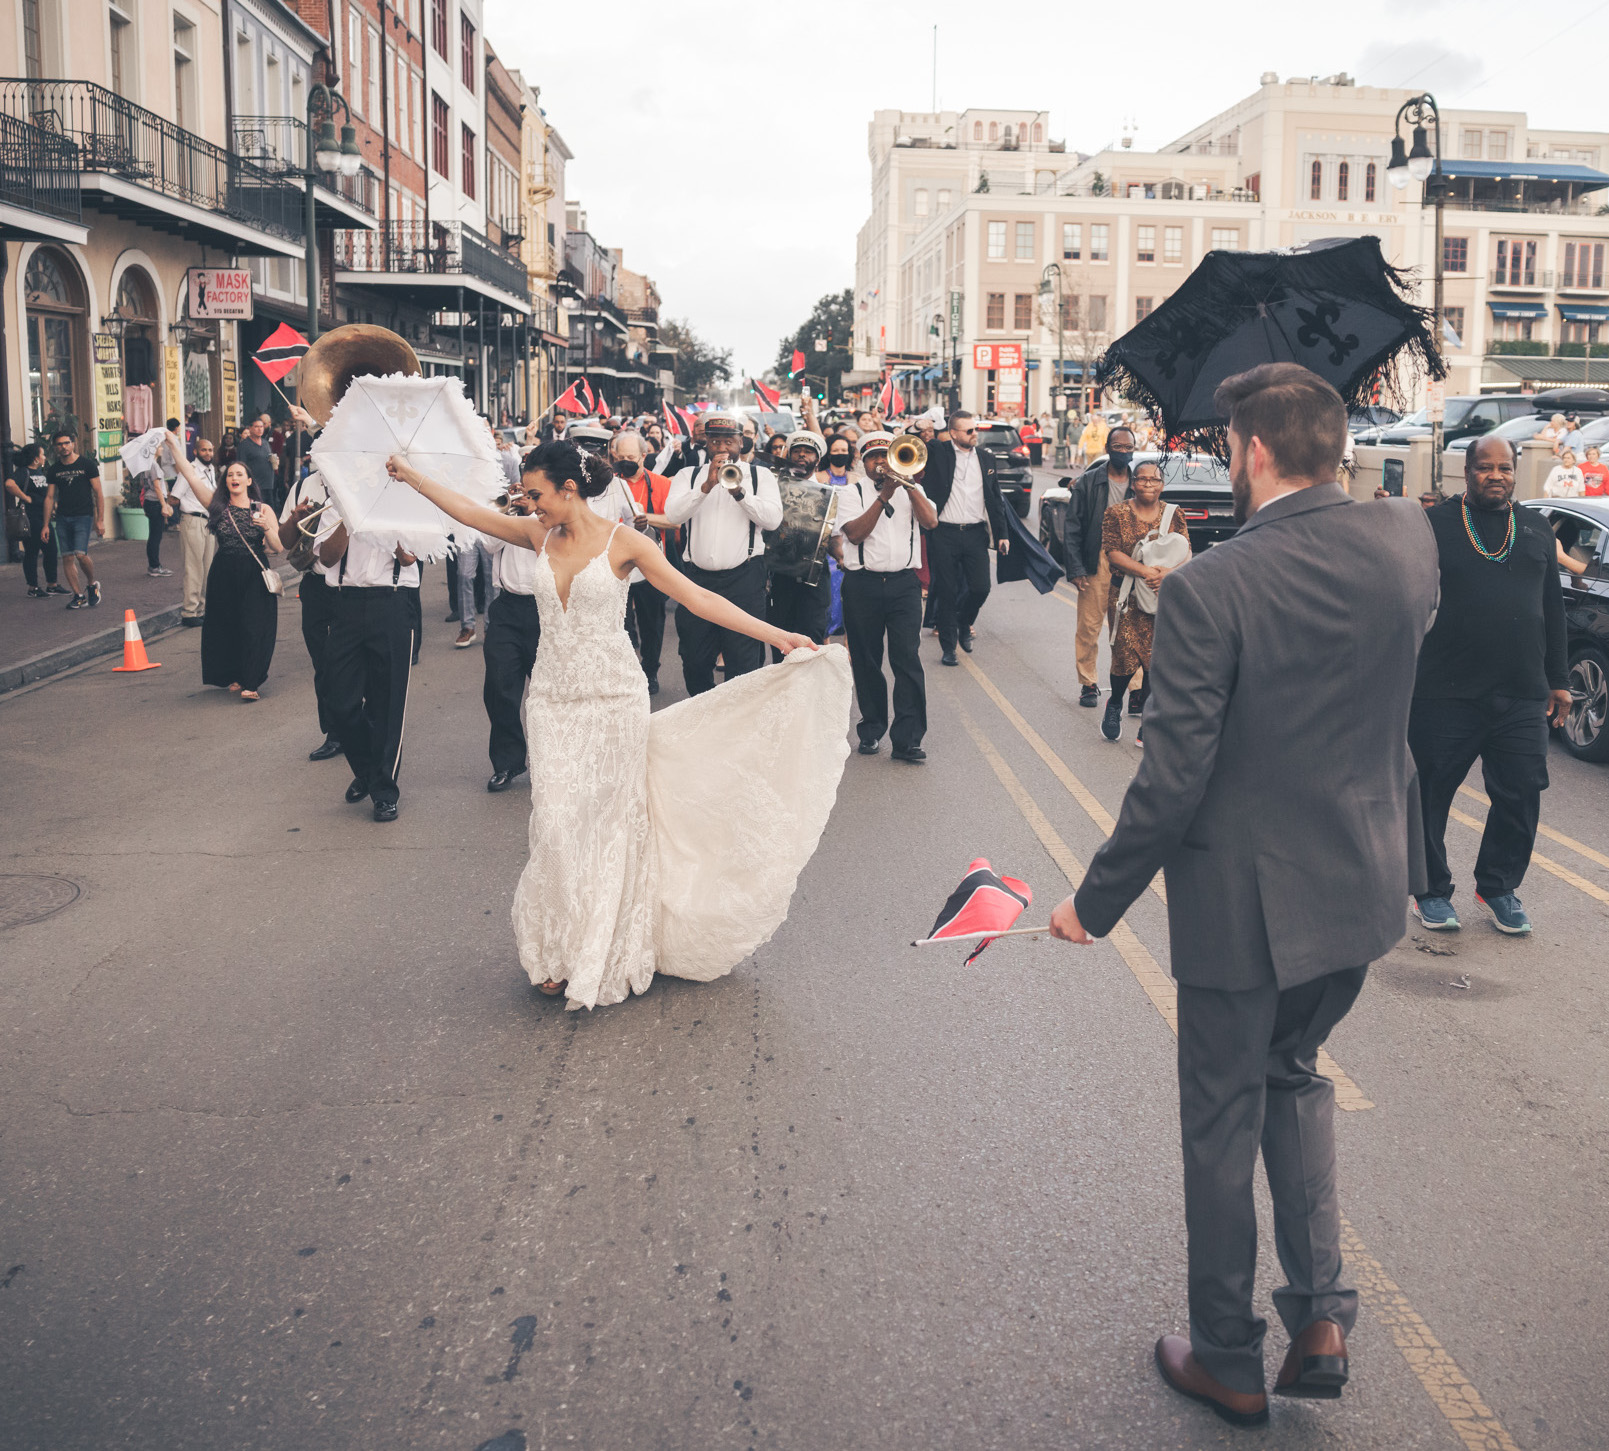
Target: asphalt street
(292,1156)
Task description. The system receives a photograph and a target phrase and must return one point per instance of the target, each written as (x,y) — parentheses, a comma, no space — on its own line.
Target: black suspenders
(861,493)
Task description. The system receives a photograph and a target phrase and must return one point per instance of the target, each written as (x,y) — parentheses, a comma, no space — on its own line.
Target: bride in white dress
(666,843)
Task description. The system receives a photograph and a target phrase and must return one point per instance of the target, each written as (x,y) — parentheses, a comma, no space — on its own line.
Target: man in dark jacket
(964,486)
(1098,488)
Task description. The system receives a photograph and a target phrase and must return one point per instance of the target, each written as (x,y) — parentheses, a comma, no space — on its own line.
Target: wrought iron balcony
(156,159)
(38,171)
(281,146)
(431,249)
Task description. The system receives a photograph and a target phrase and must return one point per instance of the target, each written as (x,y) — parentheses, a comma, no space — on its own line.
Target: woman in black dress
(237,635)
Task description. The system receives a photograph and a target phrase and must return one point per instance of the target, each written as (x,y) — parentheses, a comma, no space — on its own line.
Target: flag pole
(982,936)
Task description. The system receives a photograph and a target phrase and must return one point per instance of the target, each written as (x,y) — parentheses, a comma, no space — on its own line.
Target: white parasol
(430,423)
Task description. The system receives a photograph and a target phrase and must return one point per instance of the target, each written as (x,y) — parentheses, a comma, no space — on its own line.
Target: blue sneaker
(1436,913)
(1507,914)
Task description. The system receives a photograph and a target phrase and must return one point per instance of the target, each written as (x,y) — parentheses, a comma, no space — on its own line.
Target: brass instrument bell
(907,456)
(358,350)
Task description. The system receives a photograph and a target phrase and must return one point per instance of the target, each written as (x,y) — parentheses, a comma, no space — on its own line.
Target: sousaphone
(358,350)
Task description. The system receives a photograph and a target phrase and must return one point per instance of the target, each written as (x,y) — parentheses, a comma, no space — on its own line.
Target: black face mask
(839,461)
(747,446)
(626,467)
(1117,459)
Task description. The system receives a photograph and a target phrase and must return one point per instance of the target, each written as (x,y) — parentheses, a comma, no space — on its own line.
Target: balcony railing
(1529,279)
(114,137)
(432,249)
(278,145)
(38,171)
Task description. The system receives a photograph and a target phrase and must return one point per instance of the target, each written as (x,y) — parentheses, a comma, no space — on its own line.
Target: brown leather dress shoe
(1315,1365)
(1180,1370)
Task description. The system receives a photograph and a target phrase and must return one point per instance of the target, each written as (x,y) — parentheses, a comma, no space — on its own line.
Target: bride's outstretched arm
(508,527)
(667,579)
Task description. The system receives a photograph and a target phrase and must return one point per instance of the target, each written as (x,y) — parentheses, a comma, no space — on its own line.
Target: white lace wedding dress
(668,843)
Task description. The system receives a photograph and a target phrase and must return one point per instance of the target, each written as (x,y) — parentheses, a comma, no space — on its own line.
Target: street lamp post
(1053,269)
(327,154)
(1422,165)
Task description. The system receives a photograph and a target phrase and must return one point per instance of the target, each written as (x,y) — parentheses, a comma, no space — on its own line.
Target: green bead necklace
(1496,556)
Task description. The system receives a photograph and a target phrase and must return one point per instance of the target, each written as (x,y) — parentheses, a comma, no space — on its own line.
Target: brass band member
(795,605)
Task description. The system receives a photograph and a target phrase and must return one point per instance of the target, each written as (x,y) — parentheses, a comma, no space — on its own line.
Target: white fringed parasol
(430,423)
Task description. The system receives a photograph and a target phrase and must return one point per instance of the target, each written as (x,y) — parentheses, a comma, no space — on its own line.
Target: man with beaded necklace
(1492,676)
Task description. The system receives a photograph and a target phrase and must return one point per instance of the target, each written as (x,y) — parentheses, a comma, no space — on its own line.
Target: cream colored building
(1294,162)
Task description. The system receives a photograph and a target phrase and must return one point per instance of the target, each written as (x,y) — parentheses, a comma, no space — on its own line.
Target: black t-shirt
(1499,628)
(33,481)
(73,483)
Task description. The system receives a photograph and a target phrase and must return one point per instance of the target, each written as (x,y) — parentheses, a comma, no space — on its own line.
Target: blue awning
(1562,172)
(1582,312)
(1517,309)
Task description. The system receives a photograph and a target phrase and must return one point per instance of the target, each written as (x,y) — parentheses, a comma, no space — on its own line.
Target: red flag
(687,422)
(603,406)
(673,424)
(890,400)
(768,398)
(984,902)
(797,366)
(570,400)
(280,352)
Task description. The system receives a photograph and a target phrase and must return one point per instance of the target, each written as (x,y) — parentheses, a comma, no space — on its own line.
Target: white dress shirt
(370,562)
(513,566)
(310,490)
(724,532)
(895,542)
(965,504)
(185,497)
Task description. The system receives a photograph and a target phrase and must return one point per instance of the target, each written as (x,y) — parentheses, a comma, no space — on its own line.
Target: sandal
(234,685)
(550,988)
(249,696)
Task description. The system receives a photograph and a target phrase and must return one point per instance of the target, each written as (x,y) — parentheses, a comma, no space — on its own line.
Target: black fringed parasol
(1337,307)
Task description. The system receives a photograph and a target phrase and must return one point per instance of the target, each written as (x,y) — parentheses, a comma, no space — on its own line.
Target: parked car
(1004,444)
(1461,418)
(1582,527)
(1197,483)
(1516,431)
(1372,415)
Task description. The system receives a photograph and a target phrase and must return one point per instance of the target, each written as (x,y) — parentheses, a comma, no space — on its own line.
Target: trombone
(907,457)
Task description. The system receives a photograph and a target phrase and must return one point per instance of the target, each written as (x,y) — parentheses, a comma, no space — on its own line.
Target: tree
(831,321)
(698,363)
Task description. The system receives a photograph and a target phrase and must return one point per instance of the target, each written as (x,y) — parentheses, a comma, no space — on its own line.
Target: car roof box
(1562,400)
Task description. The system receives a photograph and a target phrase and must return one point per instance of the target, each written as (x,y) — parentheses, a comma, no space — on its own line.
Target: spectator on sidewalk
(196,542)
(1594,474)
(1492,674)
(156,489)
(73,501)
(1564,480)
(30,482)
(1092,441)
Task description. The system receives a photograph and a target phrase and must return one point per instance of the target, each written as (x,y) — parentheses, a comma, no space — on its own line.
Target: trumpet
(907,456)
(731,477)
(510,503)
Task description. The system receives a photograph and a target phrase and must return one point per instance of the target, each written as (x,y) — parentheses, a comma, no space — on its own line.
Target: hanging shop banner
(108,397)
(172,383)
(231,394)
(219,292)
(996,355)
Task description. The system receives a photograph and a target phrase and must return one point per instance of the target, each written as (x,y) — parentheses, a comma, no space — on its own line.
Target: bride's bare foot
(550,988)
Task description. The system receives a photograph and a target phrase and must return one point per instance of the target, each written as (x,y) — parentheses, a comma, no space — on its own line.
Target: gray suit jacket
(1277,794)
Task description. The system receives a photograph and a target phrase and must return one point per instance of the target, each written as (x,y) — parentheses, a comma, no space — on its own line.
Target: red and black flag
(798,364)
(984,903)
(673,425)
(768,398)
(281,351)
(891,401)
(577,398)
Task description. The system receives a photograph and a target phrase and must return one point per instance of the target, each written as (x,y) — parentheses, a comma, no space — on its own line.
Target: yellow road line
(1563,873)
(1347,1094)
(1449,1389)
(1579,848)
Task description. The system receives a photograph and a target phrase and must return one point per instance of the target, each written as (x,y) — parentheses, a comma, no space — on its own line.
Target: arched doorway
(137,311)
(57,342)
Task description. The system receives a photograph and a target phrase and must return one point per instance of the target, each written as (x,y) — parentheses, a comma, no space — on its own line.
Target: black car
(1010,455)
(1197,483)
(1371,415)
(1582,528)
(1461,418)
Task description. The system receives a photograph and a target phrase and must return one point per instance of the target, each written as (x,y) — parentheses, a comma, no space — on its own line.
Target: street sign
(219,292)
(821,345)
(986,356)
(1436,402)
(955,314)
(231,394)
(172,384)
(108,397)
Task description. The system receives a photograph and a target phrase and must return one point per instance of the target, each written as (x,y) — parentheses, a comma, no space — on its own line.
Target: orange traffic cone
(134,647)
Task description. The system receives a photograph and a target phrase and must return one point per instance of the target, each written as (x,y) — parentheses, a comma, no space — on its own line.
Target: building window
(1315,185)
(416,114)
(1142,308)
(994,313)
(375,110)
(438,136)
(1099,241)
(55,310)
(122,24)
(1173,245)
(1516,263)
(997,241)
(469,167)
(438,27)
(994,130)
(921,201)
(1472,144)
(1226,239)
(1097,314)
(466,41)
(1583,265)
(1368,182)
(33,47)
(1022,310)
(1343,180)
(1025,241)
(1072,241)
(1512,330)
(1145,244)
(977,130)
(184,73)
(1039,132)
(1455,254)
(1069,314)
(1455,321)
(1497,145)
(944,199)
(354,58)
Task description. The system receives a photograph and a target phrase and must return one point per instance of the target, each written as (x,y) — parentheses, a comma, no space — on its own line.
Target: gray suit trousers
(1247,1075)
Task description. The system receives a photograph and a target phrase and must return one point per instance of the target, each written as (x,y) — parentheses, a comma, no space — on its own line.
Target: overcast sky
(724,146)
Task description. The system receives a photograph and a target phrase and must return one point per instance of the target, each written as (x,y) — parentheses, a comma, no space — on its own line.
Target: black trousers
(319,600)
(878,606)
(800,608)
(958,562)
(645,623)
(701,642)
(369,660)
(1511,739)
(155,525)
(38,543)
(513,630)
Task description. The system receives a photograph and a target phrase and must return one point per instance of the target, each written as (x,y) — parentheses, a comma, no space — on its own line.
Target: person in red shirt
(1595,473)
(645,605)
(1034,441)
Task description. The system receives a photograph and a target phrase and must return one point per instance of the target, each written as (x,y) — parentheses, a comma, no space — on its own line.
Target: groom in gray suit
(1277,797)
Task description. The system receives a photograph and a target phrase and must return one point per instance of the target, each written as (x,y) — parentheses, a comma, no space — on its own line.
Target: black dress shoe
(502,780)
(908,753)
(966,641)
(192,622)
(1090,695)
(385,810)
(653,685)
(356,792)
(870,748)
(327,752)
(948,658)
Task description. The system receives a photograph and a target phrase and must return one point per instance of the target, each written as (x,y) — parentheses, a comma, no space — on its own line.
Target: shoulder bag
(1162,548)
(271,580)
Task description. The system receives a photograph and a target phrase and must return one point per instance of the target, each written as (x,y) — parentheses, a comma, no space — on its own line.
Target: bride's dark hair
(564,463)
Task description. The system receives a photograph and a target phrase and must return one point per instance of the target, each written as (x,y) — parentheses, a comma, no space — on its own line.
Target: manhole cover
(33,898)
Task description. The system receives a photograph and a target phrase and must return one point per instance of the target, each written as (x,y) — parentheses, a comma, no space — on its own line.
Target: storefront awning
(1517,309)
(1582,312)
(1563,172)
